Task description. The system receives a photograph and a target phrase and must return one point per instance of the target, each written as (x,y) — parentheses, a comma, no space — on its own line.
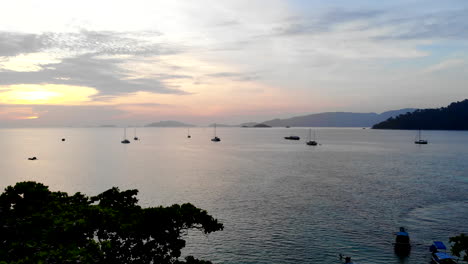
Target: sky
(87,62)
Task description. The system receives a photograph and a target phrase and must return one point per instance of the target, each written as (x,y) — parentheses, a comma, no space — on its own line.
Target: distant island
(336,119)
(169,123)
(452,117)
(220,125)
(256,125)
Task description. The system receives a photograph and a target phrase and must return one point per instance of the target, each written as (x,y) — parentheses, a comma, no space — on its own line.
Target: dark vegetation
(460,246)
(40,226)
(452,117)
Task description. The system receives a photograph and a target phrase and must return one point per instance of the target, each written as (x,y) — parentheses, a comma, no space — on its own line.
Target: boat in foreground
(402,243)
(439,254)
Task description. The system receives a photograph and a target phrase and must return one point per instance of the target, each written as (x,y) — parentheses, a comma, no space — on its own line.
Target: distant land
(452,117)
(169,123)
(256,125)
(221,125)
(336,119)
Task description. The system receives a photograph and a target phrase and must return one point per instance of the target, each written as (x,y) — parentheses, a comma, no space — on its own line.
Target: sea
(280,201)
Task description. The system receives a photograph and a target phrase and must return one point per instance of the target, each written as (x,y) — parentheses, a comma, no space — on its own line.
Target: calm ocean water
(280,201)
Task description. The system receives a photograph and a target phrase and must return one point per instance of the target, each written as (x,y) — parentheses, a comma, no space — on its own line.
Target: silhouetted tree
(460,246)
(452,117)
(40,226)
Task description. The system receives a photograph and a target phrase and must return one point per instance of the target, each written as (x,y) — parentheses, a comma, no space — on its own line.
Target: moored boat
(215,139)
(439,254)
(292,138)
(125,140)
(402,243)
(418,139)
(311,142)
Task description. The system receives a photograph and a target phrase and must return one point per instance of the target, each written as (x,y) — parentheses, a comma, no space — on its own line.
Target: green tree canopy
(460,246)
(40,226)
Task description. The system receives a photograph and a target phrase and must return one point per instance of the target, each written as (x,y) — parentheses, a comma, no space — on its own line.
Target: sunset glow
(45,94)
(239,61)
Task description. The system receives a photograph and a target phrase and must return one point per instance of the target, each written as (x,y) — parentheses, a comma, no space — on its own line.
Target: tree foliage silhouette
(452,117)
(40,226)
(460,246)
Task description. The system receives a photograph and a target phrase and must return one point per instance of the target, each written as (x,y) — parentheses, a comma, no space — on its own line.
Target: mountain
(336,119)
(452,117)
(168,123)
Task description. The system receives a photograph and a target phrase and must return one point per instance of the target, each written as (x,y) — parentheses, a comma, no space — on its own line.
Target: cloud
(12,44)
(89,70)
(445,24)
(236,76)
(86,41)
(324,23)
(445,65)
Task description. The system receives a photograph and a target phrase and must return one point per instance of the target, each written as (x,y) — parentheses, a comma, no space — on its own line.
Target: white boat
(215,139)
(125,140)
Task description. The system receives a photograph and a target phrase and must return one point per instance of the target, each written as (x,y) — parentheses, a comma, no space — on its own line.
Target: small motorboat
(63,139)
(292,138)
(33,158)
(402,243)
(345,259)
(439,254)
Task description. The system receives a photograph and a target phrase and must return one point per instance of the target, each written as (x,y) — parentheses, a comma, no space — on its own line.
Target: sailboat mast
(125,132)
(215,129)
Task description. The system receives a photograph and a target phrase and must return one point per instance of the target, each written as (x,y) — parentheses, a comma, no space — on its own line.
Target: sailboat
(418,139)
(215,139)
(125,140)
(134,134)
(311,142)
(188,133)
